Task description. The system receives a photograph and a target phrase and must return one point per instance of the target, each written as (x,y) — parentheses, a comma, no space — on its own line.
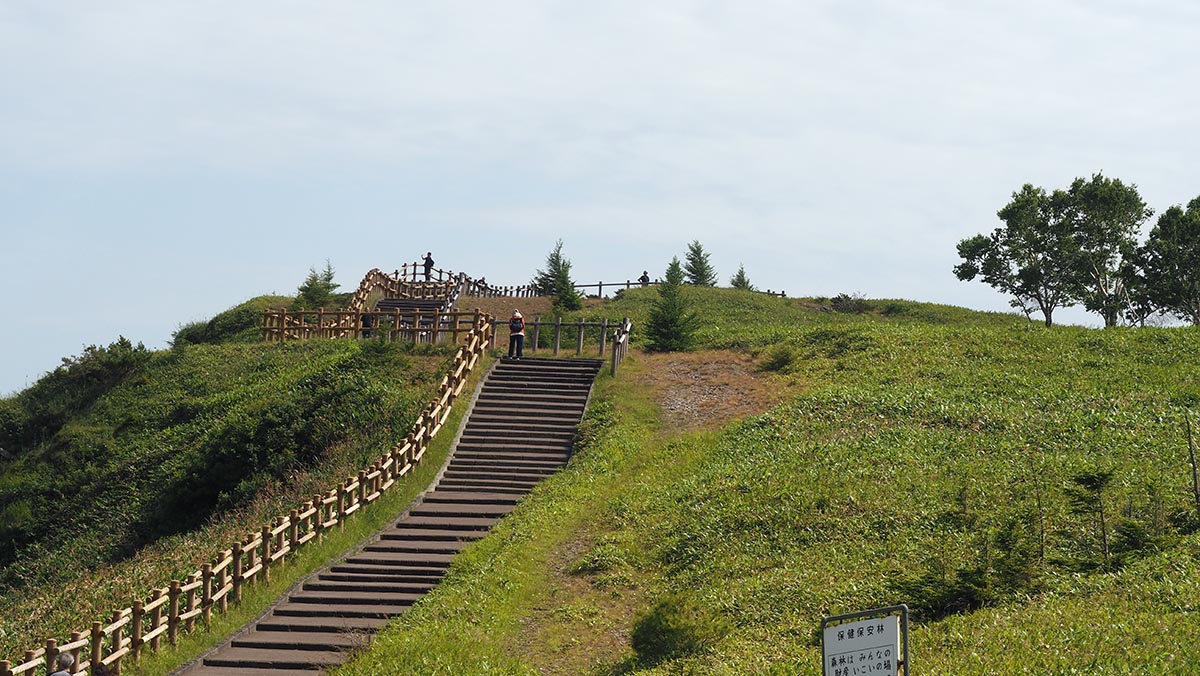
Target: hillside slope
(928,456)
(123,449)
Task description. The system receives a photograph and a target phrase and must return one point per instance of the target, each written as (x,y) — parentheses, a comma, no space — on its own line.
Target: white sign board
(862,648)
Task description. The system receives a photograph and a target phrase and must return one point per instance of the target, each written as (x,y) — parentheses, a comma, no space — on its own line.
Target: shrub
(851,304)
(676,626)
(778,358)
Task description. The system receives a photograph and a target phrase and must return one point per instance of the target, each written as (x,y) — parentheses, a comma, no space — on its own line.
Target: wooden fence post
(266,555)
(97,636)
(156,619)
(136,634)
(294,530)
(341,505)
(537,331)
(118,641)
(51,653)
(75,636)
(206,588)
(557,333)
(173,612)
(194,577)
(603,334)
(237,571)
(579,338)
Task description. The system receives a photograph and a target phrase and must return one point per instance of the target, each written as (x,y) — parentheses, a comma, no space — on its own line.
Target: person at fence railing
(516,334)
(63,664)
(368,323)
(428,259)
(645,278)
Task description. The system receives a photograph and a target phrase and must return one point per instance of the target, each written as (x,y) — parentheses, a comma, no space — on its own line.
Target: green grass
(167,455)
(359,527)
(926,461)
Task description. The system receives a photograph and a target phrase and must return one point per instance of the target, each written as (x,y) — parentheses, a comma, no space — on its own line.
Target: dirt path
(706,390)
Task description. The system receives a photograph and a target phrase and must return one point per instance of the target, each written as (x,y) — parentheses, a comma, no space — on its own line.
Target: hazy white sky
(162,161)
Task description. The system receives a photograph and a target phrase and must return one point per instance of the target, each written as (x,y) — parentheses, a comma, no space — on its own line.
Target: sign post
(868,643)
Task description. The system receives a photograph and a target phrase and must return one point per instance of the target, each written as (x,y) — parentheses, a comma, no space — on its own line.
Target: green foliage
(699,271)
(121,446)
(240,324)
(1169,265)
(316,291)
(849,303)
(740,280)
(556,281)
(672,324)
(39,412)
(676,626)
(1106,215)
(1033,257)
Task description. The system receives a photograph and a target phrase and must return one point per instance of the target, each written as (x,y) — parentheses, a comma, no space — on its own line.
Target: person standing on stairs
(428,266)
(516,334)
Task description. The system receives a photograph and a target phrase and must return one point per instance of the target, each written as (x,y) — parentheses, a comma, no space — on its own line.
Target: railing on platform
(391,325)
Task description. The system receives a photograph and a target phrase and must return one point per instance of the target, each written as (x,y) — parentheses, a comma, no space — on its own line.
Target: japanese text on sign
(864,648)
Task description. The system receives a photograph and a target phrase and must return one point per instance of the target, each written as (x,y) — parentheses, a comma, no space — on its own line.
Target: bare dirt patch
(708,389)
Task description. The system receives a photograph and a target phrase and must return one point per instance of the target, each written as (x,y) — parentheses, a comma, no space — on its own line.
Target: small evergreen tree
(672,325)
(317,289)
(740,280)
(556,281)
(699,271)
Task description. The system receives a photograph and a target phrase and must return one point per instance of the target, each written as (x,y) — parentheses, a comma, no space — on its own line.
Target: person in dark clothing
(645,278)
(428,266)
(368,323)
(516,335)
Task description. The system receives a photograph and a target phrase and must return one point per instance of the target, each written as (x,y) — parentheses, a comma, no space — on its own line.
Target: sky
(163,161)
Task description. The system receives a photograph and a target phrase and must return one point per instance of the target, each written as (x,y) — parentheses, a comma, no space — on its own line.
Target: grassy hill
(1025,491)
(123,450)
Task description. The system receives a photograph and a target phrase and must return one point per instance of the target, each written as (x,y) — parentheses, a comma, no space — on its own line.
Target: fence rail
(393,325)
(618,339)
(167,611)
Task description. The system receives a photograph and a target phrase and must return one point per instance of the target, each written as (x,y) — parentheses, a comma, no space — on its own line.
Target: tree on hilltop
(1169,263)
(740,280)
(1105,216)
(317,289)
(672,325)
(556,280)
(699,271)
(1032,257)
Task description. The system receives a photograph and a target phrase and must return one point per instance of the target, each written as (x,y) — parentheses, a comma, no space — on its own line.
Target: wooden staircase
(520,430)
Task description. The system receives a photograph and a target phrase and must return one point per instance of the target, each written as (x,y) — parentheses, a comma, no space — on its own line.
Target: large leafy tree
(1170,262)
(1105,217)
(699,271)
(672,324)
(556,280)
(1032,257)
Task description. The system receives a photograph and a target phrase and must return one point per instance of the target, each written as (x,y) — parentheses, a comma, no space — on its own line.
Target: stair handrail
(174,608)
(620,343)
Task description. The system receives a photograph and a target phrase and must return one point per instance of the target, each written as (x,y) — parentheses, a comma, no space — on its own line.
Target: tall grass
(928,462)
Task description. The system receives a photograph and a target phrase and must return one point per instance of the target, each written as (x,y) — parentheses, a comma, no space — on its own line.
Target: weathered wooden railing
(620,343)
(628,284)
(415,272)
(167,611)
(392,325)
(556,329)
(481,289)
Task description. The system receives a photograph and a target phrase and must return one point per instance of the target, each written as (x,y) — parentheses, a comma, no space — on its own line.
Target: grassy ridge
(933,458)
(125,467)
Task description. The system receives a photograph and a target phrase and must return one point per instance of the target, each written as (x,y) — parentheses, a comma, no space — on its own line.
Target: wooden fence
(392,325)
(557,329)
(620,344)
(415,272)
(176,607)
